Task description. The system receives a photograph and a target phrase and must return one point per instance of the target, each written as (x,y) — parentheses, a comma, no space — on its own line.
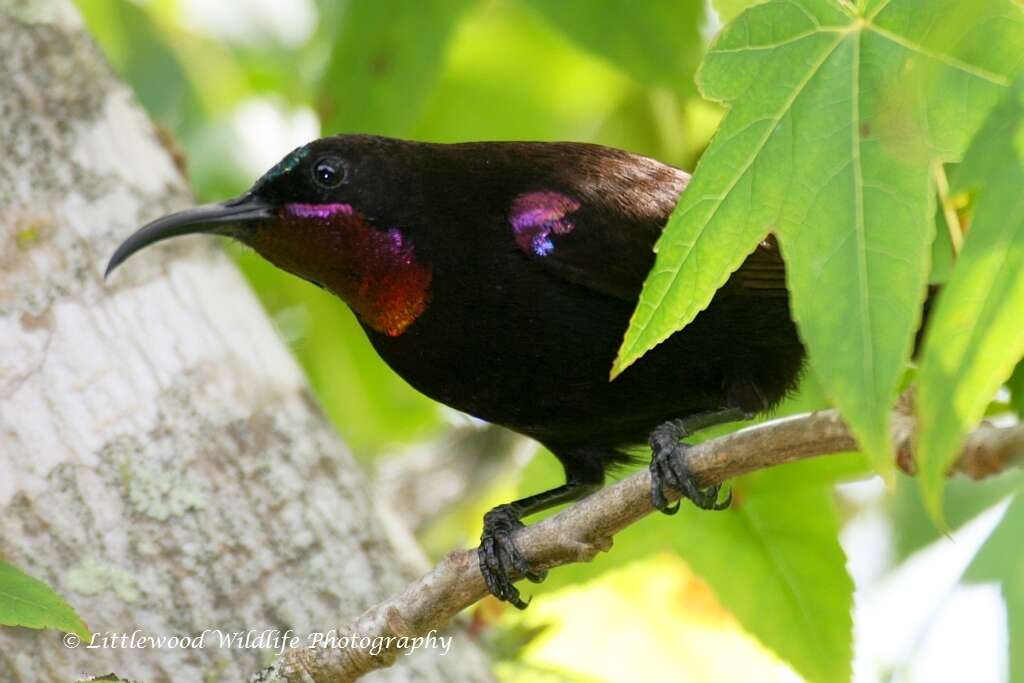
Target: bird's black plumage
(499,278)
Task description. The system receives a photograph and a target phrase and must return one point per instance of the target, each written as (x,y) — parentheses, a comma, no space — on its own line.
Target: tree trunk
(162,463)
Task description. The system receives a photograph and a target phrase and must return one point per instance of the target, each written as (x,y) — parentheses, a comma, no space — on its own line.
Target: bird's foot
(499,557)
(670,467)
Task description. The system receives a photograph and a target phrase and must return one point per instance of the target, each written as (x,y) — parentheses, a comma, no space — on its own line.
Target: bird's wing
(609,248)
(582,242)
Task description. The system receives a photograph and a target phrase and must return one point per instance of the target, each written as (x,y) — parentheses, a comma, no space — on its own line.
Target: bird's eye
(329,172)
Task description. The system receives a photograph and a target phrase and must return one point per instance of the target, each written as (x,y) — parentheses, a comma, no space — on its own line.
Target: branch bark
(578,533)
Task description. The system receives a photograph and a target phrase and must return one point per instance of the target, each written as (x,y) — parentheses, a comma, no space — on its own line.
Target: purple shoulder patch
(536,215)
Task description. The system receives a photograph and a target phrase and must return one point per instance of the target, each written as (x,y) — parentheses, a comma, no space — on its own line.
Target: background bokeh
(236,84)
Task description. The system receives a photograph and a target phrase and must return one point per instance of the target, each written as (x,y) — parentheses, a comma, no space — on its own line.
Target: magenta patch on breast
(374,270)
(535,216)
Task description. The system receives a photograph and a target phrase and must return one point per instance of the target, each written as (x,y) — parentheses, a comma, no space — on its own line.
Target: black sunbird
(498,278)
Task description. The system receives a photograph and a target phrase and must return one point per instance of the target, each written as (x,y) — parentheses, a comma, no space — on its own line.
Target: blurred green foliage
(618,73)
(384,61)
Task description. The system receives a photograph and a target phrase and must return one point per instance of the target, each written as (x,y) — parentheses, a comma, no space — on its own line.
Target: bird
(498,278)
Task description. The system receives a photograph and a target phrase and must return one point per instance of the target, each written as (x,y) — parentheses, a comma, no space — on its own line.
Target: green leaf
(975,337)
(775,562)
(384,63)
(1000,559)
(657,41)
(836,117)
(25,601)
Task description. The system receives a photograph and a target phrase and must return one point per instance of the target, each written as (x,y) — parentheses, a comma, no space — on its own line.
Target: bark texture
(162,463)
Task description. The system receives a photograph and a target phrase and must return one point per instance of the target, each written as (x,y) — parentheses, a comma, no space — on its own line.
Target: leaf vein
(948,60)
(865,329)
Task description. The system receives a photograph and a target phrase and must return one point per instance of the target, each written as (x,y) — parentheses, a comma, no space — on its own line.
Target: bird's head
(320,213)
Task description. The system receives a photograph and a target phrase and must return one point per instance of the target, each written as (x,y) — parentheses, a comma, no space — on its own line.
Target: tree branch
(578,533)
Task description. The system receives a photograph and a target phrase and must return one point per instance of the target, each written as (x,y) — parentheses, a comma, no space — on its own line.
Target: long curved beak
(210,218)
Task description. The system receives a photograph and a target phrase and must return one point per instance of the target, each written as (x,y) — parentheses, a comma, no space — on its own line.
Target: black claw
(669,468)
(500,559)
(658,500)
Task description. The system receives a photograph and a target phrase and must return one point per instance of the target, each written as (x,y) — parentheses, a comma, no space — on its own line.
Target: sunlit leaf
(654,620)
(976,335)
(26,601)
(836,116)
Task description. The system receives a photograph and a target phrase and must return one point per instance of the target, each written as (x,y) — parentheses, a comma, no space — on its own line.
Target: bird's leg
(499,557)
(669,460)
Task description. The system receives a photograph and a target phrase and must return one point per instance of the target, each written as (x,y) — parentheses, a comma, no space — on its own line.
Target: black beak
(211,218)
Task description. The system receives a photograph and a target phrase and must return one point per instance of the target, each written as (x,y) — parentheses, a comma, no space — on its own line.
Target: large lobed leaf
(976,335)
(26,601)
(837,117)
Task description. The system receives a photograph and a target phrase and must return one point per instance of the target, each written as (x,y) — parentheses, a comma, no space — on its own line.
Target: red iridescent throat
(374,271)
